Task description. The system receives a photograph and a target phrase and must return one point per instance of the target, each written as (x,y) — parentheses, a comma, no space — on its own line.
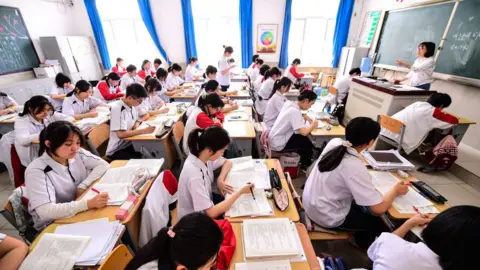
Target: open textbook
(152,165)
(247,170)
(265,265)
(120,175)
(246,206)
(7,116)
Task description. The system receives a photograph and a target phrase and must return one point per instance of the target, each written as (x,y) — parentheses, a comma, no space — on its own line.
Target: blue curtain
(283,63)
(246,8)
(342,25)
(189,29)
(98,32)
(147,17)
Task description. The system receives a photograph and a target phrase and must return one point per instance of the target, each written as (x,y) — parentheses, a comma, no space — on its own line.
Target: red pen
(418,211)
(95,190)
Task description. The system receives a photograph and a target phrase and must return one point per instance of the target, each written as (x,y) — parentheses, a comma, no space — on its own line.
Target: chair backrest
(390,123)
(99,135)
(18,168)
(98,95)
(118,259)
(8,213)
(178,131)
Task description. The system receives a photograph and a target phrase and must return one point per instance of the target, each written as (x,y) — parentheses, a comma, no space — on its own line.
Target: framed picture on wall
(267,35)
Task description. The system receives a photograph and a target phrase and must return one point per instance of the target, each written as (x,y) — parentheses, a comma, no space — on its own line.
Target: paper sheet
(153,165)
(235,129)
(246,206)
(242,164)
(119,175)
(55,252)
(117,193)
(265,265)
(100,119)
(157,124)
(236,116)
(239,179)
(7,116)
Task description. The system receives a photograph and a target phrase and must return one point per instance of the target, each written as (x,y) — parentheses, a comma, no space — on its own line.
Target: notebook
(117,193)
(123,175)
(246,206)
(266,265)
(152,165)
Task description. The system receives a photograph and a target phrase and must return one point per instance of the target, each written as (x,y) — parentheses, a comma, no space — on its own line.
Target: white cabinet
(351,57)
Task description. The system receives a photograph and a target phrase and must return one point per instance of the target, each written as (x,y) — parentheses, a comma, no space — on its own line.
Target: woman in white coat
(421,72)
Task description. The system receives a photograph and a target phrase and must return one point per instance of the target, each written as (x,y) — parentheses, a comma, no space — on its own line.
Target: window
(216,24)
(126,34)
(311,32)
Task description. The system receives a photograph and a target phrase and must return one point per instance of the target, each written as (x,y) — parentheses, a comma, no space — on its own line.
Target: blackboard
(16,48)
(461,51)
(403,30)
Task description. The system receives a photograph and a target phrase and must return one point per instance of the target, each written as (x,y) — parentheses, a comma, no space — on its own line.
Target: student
(109,88)
(37,114)
(7,104)
(256,70)
(261,77)
(62,172)
(290,133)
(207,147)
(79,103)
(152,104)
(213,87)
(58,94)
(291,71)
(192,73)
(420,118)
(206,114)
(210,73)
(193,243)
(145,70)
(118,68)
(173,78)
(124,121)
(12,252)
(266,89)
(165,93)
(276,100)
(340,184)
(253,65)
(224,65)
(130,77)
(421,72)
(157,63)
(448,243)
(342,85)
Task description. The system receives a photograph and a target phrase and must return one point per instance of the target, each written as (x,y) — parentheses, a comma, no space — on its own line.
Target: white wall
(268,12)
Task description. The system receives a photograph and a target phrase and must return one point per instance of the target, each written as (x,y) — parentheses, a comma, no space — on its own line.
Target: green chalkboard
(16,48)
(403,30)
(460,55)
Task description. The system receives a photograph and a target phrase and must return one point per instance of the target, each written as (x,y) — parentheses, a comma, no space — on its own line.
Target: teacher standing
(421,72)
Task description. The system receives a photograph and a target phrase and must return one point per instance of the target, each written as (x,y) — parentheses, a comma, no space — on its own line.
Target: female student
(421,72)
(291,71)
(266,89)
(118,68)
(224,65)
(256,70)
(210,73)
(37,114)
(196,179)
(58,94)
(109,88)
(79,103)
(260,78)
(62,172)
(130,77)
(253,65)
(12,252)
(192,73)
(157,63)
(146,70)
(289,133)
(193,243)
(173,78)
(213,87)
(276,101)
(448,243)
(206,114)
(165,93)
(340,183)
(7,104)
(152,104)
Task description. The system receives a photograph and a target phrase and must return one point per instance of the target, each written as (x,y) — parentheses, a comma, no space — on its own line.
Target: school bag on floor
(444,154)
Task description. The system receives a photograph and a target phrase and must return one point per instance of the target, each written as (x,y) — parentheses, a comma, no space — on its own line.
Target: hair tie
(171,233)
(204,94)
(347,144)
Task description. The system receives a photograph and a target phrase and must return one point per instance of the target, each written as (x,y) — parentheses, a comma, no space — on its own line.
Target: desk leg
(92,147)
(459,131)
(244,146)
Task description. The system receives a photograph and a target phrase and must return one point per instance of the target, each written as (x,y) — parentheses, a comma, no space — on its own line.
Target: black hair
(57,133)
(157,61)
(214,138)
(161,73)
(210,70)
(284,81)
(227,49)
(430,48)
(197,241)
(152,84)
(452,235)
(263,69)
(259,61)
(273,71)
(61,79)
(296,61)
(2,94)
(112,76)
(80,86)
(35,104)
(306,94)
(192,59)
(212,99)
(254,58)
(146,61)
(118,60)
(131,68)
(359,131)
(136,90)
(211,86)
(174,67)
(355,71)
(440,99)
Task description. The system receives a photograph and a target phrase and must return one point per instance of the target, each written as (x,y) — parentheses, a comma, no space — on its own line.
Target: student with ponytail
(261,77)
(79,103)
(276,101)
(145,69)
(58,94)
(192,73)
(225,66)
(152,105)
(340,185)
(213,87)
(256,70)
(207,147)
(109,88)
(165,93)
(266,89)
(253,65)
(193,243)
(156,64)
(118,68)
(173,78)
(210,73)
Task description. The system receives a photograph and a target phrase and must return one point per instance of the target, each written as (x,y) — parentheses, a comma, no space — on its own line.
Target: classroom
(239,134)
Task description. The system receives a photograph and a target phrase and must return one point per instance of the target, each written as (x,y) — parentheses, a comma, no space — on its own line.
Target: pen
(95,190)
(418,211)
(253,195)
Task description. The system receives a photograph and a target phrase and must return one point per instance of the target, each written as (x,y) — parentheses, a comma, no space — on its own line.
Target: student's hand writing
(401,188)
(247,188)
(224,187)
(98,201)
(418,220)
(148,130)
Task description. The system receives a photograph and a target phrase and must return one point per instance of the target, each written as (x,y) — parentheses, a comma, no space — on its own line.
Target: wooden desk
(132,222)
(241,132)
(7,125)
(291,212)
(458,131)
(321,135)
(311,263)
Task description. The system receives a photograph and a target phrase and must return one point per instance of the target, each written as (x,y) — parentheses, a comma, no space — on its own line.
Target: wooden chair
(98,136)
(118,259)
(178,131)
(394,126)
(332,90)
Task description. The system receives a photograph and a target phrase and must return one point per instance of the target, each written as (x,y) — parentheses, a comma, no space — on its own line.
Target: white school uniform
(390,252)
(223,65)
(250,68)
(421,71)
(275,104)
(6,101)
(163,92)
(173,81)
(258,82)
(328,196)
(122,118)
(57,103)
(190,73)
(127,80)
(190,125)
(254,74)
(27,129)
(342,85)
(149,104)
(72,105)
(265,90)
(49,182)
(288,122)
(288,74)
(195,185)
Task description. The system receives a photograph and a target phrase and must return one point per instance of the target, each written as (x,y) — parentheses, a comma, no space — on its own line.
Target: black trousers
(225,87)
(303,146)
(126,154)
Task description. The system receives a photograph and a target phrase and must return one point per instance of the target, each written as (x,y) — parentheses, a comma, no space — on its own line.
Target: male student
(342,85)
(124,121)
